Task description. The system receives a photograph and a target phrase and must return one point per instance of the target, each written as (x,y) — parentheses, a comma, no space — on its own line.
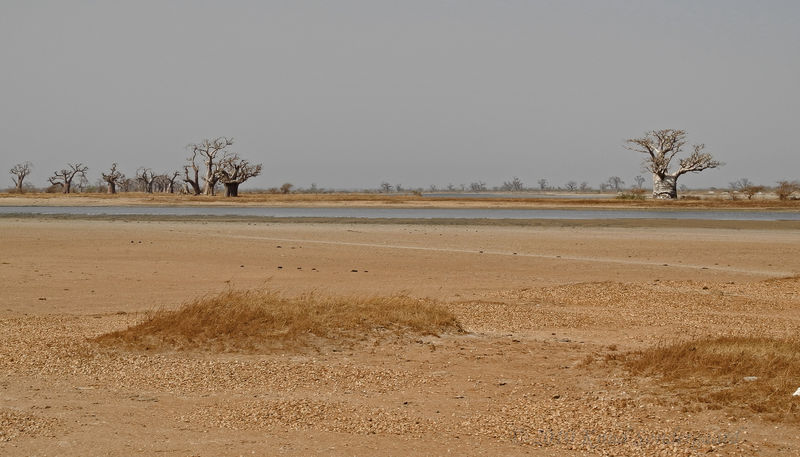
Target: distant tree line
(209,167)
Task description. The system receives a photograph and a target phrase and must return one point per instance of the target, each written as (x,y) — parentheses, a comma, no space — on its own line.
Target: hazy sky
(347,94)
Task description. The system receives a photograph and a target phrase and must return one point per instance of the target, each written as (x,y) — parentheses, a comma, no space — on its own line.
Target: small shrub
(713,371)
(257,319)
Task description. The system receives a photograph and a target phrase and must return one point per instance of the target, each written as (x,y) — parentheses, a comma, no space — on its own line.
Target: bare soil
(547,310)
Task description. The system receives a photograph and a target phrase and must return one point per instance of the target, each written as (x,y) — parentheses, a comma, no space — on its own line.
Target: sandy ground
(538,302)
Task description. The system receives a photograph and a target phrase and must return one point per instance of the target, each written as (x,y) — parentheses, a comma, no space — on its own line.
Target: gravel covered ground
(543,309)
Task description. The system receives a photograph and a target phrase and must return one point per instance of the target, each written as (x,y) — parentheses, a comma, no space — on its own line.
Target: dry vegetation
(756,373)
(391,200)
(252,320)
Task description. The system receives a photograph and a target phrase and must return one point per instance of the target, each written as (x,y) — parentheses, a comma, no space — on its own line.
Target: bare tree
(209,152)
(585,186)
(147,178)
(785,189)
(616,183)
(542,184)
(64,177)
(639,181)
(571,186)
(477,186)
(661,146)
(20,172)
(386,187)
(191,174)
(170,179)
(515,185)
(113,178)
(234,171)
(286,187)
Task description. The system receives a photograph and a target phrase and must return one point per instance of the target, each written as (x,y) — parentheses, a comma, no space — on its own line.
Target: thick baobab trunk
(231,189)
(665,186)
(112,187)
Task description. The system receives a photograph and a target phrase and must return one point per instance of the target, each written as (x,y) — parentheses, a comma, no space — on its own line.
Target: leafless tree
(386,187)
(147,178)
(113,178)
(191,174)
(515,185)
(169,179)
(477,186)
(639,181)
(571,186)
(661,146)
(785,189)
(209,152)
(64,177)
(585,186)
(234,171)
(542,184)
(20,172)
(616,183)
(286,187)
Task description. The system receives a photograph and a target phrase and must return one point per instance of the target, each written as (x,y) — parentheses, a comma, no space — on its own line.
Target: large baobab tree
(234,171)
(209,152)
(661,146)
(65,176)
(20,172)
(113,178)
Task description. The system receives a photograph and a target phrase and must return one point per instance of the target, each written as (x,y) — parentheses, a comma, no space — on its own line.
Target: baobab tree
(146,177)
(65,176)
(661,146)
(113,178)
(639,181)
(20,172)
(169,181)
(515,185)
(542,184)
(616,183)
(191,175)
(234,171)
(209,152)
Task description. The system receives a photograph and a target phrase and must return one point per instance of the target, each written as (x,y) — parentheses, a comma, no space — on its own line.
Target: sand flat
(537,301)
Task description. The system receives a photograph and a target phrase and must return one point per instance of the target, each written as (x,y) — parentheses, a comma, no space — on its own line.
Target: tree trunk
(665,186)
(112,187)
(231,189)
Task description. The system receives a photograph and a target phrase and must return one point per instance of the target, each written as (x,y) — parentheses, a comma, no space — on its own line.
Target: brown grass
(252,320)
(712,371)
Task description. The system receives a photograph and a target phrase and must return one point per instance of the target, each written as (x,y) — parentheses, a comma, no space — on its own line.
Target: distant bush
(633,194)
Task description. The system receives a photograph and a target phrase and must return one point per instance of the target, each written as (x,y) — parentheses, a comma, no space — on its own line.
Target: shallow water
(404,213)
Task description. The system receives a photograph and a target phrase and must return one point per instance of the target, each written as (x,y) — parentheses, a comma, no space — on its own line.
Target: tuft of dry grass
(755,373)
(250,320)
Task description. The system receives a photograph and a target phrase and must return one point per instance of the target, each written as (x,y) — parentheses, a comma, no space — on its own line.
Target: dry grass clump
(755,373)
(249,320)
